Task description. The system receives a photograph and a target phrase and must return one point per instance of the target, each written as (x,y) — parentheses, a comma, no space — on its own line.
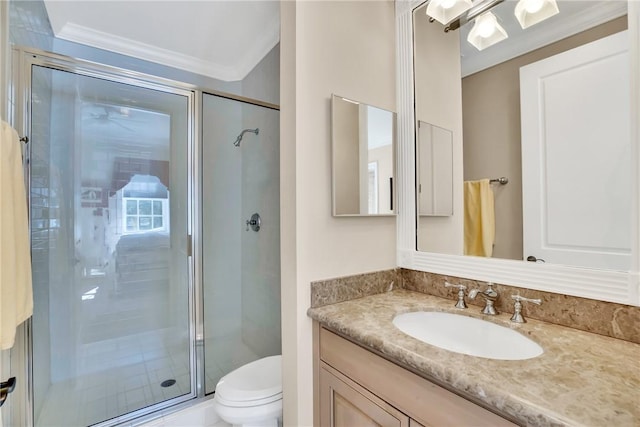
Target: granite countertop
(581,379)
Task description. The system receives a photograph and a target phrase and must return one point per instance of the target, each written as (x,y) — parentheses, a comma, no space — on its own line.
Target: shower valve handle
(255,222)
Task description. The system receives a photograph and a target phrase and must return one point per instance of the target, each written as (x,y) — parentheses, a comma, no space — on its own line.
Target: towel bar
(503,180)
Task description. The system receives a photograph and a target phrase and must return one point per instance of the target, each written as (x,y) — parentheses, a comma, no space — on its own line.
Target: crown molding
(535,38)
(125,46)
(267,41)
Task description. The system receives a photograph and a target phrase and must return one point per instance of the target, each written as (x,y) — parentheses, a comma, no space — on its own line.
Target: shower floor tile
(132,381)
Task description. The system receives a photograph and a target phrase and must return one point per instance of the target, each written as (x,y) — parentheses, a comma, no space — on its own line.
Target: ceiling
(575,16)
(223,39)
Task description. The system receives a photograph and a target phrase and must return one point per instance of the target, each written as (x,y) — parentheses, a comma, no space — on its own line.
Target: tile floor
(199,415)
(124,374)
(118,376)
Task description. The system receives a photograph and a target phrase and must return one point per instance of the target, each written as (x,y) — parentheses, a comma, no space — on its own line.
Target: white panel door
(576,163)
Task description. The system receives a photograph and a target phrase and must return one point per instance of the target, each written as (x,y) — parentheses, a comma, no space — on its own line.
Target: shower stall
(149,284)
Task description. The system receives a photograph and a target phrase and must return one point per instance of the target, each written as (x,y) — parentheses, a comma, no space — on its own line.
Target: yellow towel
(479,218)
(16,294)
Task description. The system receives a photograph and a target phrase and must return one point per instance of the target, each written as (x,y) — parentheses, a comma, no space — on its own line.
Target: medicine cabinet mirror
(434,151)
(577,189)
(363,158)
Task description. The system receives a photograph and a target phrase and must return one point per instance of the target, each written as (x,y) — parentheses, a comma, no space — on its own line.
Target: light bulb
(448,4)
(486,25)
(533,6)
(530,12)
(444,11)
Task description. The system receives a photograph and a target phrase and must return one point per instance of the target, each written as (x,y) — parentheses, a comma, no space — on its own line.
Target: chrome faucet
(517,308)
(490,296)
(461,288)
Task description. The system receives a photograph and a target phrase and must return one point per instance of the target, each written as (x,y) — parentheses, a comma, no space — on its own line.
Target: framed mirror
(362,158)
(442,93)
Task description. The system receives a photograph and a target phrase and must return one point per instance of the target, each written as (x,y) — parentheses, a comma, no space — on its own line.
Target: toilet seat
(254,384)
(247,403)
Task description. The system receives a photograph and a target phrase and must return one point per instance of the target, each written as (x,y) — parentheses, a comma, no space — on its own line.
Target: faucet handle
(461,288)
(518,298)
(517,308)
(451,285)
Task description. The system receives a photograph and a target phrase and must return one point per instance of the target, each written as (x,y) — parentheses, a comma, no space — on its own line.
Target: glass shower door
(109,210)
(241,263)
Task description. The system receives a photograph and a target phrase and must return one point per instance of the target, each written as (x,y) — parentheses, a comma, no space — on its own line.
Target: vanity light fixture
(486,31)
(530,12)
(445,11)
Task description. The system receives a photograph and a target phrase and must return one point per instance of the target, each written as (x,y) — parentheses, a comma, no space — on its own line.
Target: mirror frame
(613,286)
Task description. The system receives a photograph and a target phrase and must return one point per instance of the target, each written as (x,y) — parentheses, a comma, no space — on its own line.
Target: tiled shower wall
(261,194)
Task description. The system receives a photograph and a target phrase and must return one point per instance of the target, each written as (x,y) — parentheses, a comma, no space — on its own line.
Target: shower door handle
(6,388)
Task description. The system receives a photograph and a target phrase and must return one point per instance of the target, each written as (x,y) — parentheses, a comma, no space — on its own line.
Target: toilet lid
(254,381)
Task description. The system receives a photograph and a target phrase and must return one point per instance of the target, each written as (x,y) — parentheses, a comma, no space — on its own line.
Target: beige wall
(326,47)
(491,112)
(438,102)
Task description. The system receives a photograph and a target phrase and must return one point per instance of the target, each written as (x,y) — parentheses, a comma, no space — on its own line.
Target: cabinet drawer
(419,398)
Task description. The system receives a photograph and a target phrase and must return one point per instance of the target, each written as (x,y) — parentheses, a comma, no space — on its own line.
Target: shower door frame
(23,60)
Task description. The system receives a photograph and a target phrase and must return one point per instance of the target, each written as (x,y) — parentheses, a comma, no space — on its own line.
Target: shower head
(239,138)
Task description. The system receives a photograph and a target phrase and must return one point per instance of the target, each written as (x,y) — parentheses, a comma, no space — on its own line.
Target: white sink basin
(467,335)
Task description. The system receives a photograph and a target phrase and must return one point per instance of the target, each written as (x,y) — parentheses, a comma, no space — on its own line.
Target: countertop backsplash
(600,317)
(331,291)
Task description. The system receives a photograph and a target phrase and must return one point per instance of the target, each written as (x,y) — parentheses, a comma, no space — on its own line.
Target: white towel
(16,294)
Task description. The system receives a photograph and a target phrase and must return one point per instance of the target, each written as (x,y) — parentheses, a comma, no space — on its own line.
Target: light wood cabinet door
(344,403)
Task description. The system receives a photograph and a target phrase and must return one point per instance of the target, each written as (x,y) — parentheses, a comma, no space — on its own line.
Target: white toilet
(251,396)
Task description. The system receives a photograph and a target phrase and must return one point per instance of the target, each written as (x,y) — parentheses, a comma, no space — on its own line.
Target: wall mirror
(580,192)
(363,158)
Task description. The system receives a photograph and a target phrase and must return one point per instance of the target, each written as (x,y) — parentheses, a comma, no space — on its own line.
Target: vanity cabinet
(355,387)
(344,403)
